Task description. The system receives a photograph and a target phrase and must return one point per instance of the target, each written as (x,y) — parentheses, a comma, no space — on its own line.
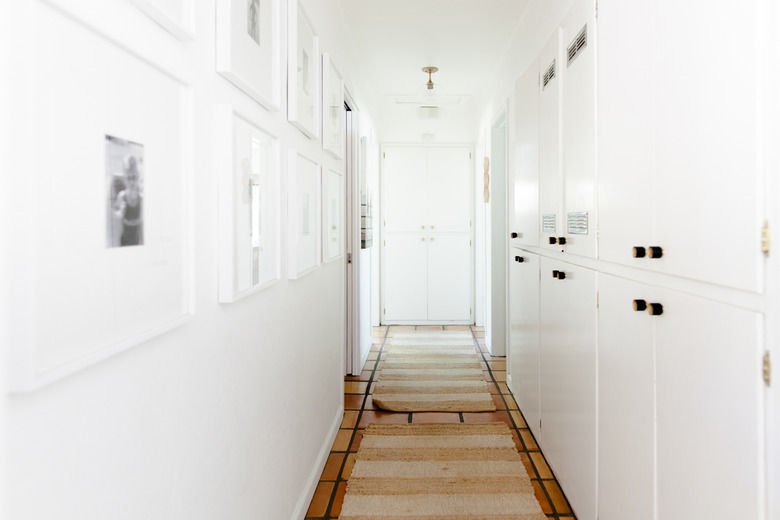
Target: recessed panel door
(449,278)
(626,400)
(710,399)
(523,193)
(550,179)
(449,190)
(406,277)
(405,197)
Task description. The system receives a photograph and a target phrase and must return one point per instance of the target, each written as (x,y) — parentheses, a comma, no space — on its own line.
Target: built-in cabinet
(636,342)
(427,242)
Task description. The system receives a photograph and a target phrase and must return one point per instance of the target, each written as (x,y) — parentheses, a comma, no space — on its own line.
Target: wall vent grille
(577,223)
(548,223)
(577,45)
(549,75)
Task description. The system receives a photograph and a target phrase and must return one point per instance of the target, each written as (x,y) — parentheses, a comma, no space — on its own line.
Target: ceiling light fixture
(430,70)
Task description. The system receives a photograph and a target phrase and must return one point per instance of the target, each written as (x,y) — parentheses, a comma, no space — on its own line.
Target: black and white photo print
(253,19)
(125,192)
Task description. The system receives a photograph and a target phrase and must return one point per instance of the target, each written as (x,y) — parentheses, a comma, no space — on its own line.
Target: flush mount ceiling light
(429,71)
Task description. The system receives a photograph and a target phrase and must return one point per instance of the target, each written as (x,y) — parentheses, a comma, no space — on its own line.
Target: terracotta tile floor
(359,411)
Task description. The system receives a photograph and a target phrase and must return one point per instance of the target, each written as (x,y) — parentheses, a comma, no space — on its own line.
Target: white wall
(403,124)
(228,416)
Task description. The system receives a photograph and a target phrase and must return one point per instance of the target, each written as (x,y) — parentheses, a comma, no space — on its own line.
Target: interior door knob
(655,309)
(556,273)
(656,252)
(640,252)
(640,305)
(519,259)
(513,235)
(561,275)
(562,240)
(553,240)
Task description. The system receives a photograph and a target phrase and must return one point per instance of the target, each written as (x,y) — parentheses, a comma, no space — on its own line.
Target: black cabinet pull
(553,240)
(640,252)
(655,309)
(519,259)
(562,241)
(561,275)
(513,235)
(640,305)
(656,252)
(556,273)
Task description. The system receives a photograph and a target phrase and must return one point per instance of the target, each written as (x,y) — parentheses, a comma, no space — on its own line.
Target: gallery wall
(230,413)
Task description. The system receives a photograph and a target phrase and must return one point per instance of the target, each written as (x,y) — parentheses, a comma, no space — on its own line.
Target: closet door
(626,400)
(406,277)
(710,399)
(524,178)
(550,180)
(449,190)
(449,278)
(568,380)
(524,334)
(578,128)
(405,195)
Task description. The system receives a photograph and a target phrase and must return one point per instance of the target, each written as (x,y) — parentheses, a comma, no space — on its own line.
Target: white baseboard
(322,459)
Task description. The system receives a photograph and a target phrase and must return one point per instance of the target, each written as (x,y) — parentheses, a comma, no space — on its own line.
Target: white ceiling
(464,38)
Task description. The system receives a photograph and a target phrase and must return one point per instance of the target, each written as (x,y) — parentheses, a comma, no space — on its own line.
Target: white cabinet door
(710,398)
(626,401)
(406,277)
(523,193)
(568,381)
(550,179)
(578,128)
(524,334)
(625,147)
(449,278)
(405,189)
(449,190)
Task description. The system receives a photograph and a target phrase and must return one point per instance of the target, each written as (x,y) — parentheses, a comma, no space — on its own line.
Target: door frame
(353,173)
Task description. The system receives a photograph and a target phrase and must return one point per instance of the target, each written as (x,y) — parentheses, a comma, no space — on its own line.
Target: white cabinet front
(406,278)
(405,190)
(449,278)
(523,195)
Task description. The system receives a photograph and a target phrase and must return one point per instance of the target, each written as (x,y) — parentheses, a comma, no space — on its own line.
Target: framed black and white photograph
(303,99)
(249,207)
(332,215)
(332,108)
(125,192)
(303,217)
(248,48)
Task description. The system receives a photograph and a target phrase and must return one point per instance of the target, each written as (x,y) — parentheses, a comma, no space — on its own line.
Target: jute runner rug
(432,372)
(439,472)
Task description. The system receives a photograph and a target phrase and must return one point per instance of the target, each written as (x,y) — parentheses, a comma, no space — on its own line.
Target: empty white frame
(303,78)
(332,108)
(332,215)
(248,47)
(248,207)
(303,217)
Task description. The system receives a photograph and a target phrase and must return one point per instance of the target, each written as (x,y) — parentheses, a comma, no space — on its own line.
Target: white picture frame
(303,217)
(249,215)
(333,215)
(92,299)
(248,48)
(303,72)
(175,16)
(332,108)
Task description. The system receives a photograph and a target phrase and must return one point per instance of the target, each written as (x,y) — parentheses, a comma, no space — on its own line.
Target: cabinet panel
(710,410)
(449,190)
(406,277)
(524,181)
(550,179)
(568,381)
(626,401)
(524,334)
(578,129)
(405,191)
(449,277)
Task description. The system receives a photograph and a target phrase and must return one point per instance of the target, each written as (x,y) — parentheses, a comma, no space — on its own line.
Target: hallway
(360,411)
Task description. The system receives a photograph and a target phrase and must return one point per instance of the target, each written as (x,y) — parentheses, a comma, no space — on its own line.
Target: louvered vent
(549,75)
(577,223)
(548,223)
(577,45)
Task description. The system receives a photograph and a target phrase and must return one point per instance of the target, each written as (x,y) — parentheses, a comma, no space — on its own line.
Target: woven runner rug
(432,372)
(439,472)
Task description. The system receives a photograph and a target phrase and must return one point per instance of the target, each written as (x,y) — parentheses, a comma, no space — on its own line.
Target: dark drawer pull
(640,305)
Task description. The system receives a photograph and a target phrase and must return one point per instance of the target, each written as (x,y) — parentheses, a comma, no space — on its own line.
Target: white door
(523,194)
(406,277)
(449,197)
(710,399)
(550,179)
(405,190)
(449,278)
(626,480)
(524,334)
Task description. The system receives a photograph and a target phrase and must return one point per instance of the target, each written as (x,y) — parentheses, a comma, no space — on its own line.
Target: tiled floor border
(359,411)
